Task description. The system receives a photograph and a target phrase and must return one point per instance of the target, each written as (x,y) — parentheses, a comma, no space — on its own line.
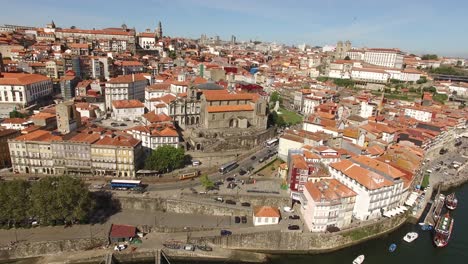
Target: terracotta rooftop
(159,86)
(21,78)
(128,78)
(120,104)
(15,120)
(6,132)
(223,96)
(122,231)
(366,178)
(39,135)
(299,162)
(118,141)
(266,211)
(328,190)
(378,166)
(228,108)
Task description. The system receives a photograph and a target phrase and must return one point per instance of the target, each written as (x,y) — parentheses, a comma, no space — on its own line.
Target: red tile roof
(223,96)
(128,78)
(120,104)
(266,211)
(122,231)
(228,108)
(328,190)
(21,78)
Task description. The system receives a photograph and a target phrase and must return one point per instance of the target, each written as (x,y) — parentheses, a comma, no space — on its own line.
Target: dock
(435,210)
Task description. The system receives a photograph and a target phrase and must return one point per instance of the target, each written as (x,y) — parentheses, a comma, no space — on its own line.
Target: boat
(392,247)
(410,237)
(443,230)
(359,259)
(451,201)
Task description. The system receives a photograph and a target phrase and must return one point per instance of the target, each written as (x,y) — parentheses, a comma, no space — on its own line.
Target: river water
(421,251)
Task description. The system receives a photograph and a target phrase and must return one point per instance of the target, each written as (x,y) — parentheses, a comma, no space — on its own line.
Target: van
(196,163)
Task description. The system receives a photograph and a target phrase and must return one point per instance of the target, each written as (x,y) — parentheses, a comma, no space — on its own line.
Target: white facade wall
(260,221)
(309,105)
(121,114)
(418,114)
(366,110)
(153,142)
(370,75)
(25,94)
(285,145)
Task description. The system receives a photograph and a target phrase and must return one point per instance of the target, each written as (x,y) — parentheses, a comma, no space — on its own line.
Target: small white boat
(410,237)
(359,259)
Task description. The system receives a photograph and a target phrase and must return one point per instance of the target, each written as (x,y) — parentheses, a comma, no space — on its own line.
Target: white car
(287,209)
(120,247)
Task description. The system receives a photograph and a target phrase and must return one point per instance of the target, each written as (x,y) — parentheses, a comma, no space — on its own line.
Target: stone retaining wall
(32,249)
(282,241)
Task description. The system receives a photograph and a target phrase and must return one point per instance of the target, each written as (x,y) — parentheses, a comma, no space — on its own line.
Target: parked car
(229,179)
(244,219)
(219,199)
(226,232)
(231,185)
(287,209)
(262,159)
(242,172)
(204,248)
(237,220)
(123,124)
(294,217)
(218,183)
(293,227)
(230,202)
(246,204)
(253,157)
(120,247)
(189,247)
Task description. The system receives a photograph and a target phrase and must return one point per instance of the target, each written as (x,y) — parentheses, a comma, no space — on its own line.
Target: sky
(416,26)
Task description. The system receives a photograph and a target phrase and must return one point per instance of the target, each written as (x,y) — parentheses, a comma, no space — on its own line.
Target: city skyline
(419,27)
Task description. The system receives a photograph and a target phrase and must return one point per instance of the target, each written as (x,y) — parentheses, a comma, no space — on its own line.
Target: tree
(165,158)
(430,89)
(429,57)
(276,120)
(63,199)
(422,80)
(347,57)
(206,182)
(72,27)
(172,54)
(275,96)
(14,201)
(16,114)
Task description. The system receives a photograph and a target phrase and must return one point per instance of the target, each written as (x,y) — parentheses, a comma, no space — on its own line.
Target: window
(213,117)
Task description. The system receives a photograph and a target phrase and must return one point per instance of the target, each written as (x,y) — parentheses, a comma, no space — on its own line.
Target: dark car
(250,169)
(123,124)
(242,172)
(293,227)
(262,159)
(237,220)
(253,158)
(230,202)
(229,179)
(231,185)
(114,124)
(246,204)
(294,217)
(218,183)
(244,219)
(226,232)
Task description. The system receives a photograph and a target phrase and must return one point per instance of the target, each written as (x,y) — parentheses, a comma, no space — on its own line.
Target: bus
(124,184)
(189,175)
(228,167)
(272,142)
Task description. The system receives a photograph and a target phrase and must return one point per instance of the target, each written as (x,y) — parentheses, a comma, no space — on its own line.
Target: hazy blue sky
(419,26)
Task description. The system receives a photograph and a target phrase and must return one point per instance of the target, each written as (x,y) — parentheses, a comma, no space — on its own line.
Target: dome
(209,86)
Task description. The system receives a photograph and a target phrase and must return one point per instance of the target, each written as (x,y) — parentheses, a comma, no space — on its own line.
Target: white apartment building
(310,102)
(21,89)
(390,58)
(127,110)
(327,203)
(370,74)
(375,192)
(367,110)
(418,113)
(154,136)
(266,215)
(125,87)
(157,90)
(147,40)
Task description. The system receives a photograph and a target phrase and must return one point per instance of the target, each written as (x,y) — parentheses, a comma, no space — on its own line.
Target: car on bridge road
(294,217)
(230,202)
(246,204)
(293,227)
(237,220)
(225,232)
